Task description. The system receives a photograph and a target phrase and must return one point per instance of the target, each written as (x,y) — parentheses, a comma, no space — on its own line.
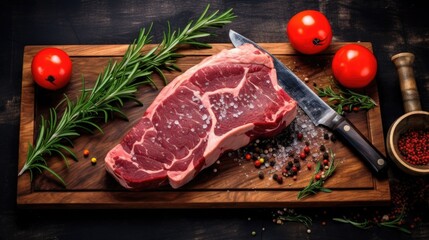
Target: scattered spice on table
(284,215)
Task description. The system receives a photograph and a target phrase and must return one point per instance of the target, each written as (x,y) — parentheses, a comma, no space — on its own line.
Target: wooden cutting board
(231,182)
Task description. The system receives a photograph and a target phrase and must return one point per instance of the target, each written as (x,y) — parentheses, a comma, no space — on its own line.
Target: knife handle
(345,130)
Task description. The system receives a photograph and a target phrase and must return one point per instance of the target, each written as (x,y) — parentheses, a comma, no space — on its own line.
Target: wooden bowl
(410,121)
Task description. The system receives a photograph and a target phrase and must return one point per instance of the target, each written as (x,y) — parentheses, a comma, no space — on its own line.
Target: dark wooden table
(392,27)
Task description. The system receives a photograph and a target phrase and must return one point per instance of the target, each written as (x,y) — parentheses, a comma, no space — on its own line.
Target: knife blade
(319,111)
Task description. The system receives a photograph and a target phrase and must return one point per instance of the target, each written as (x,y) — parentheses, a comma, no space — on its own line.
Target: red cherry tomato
(354,66)
(309,32)
(51,68)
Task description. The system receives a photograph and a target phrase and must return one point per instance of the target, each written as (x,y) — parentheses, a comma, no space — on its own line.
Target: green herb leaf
(316,186)
(345,99)
(395,223)
(362,225)
(291,216)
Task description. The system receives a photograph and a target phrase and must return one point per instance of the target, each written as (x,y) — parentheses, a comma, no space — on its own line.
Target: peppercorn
(248,156)
(294,169)
(275,176)
(414,146)
(272,163)
(299,136)
(290,163)
(326,136)
(297,165)
(325,161)
(302,155)
(346,108)
(333,138)
(317,177)
(322,148)
(309,165)
(326,155)
(261,175)
(86,153)
(257,163)
(307,149)
(280,179)
(296,160)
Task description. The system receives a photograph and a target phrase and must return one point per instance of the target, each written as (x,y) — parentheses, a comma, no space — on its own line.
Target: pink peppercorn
(414,146)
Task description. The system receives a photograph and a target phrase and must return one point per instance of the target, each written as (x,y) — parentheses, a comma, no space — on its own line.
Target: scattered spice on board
(86,153)
(321,174)
(414,146)
(281,157)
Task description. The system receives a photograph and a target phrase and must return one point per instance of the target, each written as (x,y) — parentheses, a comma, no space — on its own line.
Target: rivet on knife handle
(345,130)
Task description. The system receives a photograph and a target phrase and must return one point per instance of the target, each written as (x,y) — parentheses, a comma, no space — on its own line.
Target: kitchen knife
(319,112)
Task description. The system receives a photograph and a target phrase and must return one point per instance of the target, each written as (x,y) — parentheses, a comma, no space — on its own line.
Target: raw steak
(220,104)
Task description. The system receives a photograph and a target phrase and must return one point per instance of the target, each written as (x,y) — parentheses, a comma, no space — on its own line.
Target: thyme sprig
(395,223)
(345,100)
(316,186)
(118,83)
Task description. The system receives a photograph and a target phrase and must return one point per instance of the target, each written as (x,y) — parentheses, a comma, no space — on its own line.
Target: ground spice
(414,146)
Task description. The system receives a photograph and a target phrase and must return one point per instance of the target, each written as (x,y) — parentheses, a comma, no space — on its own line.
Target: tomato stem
(50,79)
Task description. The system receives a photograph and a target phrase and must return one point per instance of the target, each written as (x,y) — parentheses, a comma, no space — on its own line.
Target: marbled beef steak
(220,104)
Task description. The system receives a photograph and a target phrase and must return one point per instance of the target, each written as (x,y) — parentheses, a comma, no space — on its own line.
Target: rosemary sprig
(306,220)
(118,83)
(395,223)
(316,186)
(290,215)
(345,99)
(362,225)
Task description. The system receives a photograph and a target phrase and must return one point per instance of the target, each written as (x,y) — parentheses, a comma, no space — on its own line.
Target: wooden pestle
(410,95)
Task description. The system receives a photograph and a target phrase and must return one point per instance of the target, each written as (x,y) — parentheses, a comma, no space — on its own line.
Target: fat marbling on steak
(222,103)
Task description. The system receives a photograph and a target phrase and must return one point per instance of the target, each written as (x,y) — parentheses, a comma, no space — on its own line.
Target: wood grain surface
(234,183)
